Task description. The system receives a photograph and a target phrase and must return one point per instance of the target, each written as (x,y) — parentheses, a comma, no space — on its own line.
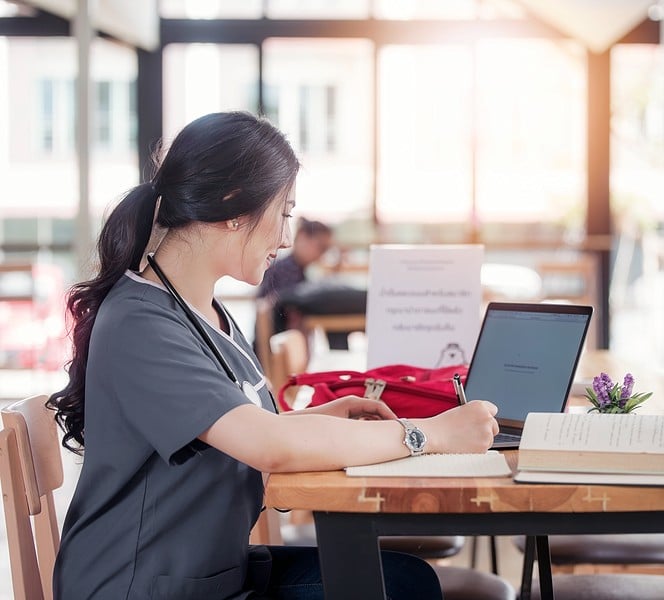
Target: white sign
(423,304)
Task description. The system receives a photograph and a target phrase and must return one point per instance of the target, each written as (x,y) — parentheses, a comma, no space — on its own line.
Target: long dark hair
(219,167)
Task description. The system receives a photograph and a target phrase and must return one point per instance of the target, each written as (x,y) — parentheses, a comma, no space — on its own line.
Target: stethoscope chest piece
(251,393)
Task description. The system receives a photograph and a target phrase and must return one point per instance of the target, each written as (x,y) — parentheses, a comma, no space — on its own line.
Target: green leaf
(635,400)
(614,394)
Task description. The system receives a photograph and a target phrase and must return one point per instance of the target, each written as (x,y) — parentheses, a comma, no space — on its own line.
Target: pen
(458,388)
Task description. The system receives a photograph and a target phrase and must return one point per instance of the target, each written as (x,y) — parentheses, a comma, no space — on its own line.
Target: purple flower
(627,387)
(602,386)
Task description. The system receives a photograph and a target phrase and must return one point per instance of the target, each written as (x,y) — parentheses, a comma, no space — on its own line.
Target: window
(637,129)
(479,134)
(204,78)
(103,121)
(317,119)
(318,9)
(424,165)
(637,204)
(210,9)
(40,136)
(319,92)
(55,119)
(531,134)
(114,122)
(448,9)
(46,105)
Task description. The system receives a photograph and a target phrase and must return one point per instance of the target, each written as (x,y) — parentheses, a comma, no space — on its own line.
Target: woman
(171,405)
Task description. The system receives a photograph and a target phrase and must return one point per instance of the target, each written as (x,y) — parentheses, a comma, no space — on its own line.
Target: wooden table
(351,512)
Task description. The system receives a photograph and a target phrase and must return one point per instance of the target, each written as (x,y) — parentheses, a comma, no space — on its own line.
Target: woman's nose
(286,237)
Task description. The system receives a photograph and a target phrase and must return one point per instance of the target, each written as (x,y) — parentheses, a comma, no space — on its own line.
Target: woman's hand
(467,428)
(354,407)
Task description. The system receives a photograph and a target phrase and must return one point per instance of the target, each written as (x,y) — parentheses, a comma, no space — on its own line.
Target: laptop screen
(525,357)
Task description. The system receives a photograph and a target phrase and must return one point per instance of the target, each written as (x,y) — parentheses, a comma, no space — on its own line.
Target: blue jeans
(296,575)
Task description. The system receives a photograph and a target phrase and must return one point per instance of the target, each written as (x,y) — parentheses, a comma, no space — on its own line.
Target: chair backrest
(32,473)
(290,354)
(264,329)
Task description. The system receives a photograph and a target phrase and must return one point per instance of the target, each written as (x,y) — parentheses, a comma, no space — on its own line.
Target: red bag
(409,391)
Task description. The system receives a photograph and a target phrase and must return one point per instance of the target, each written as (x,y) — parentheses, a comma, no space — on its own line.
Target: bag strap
(312,379)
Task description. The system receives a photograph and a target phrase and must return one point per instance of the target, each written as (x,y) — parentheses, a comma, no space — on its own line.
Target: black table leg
(544,563)
(354,571)
(494,554)
(527,571)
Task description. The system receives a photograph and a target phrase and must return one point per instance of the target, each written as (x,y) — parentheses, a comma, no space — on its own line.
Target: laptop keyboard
(506,437)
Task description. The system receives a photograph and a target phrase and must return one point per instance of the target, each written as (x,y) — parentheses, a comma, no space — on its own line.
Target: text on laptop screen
(523,360)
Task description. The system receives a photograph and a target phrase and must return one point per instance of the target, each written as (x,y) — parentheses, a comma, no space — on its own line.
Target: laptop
(524,361)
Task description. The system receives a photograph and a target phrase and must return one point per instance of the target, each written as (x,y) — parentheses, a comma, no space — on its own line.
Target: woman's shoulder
(132,288)
(135,302)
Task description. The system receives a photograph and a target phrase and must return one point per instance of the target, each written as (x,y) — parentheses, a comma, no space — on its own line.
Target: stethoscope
(247,389)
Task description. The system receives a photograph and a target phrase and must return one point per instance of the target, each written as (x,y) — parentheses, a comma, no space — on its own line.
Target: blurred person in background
(312,239)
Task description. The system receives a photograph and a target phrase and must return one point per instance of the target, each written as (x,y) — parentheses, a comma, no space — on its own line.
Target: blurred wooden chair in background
(289,354)
(31,469)
(577,282)
(263,330)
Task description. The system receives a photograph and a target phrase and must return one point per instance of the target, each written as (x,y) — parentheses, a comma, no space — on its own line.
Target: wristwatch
(414,439)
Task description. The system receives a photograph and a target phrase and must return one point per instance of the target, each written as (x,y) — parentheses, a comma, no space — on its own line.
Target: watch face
(416,439)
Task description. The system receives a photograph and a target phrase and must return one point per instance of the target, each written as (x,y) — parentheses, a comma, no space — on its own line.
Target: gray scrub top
(157,513)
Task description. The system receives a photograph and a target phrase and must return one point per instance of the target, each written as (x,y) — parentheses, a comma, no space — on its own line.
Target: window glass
(204,78)
(318,9)
(210,9)
(39,136)
(531,129)
(449,9)
(637,201)
(13,9)
(103,121)
(18,230)
(62,230)
(424,163)
(319,92)
(637,134)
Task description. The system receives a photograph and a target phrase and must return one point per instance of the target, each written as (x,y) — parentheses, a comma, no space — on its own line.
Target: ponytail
(120,247)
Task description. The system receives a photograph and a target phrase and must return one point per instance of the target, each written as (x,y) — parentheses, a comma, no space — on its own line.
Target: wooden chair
(31,468)
(263,330)
(289,353)
(575,281)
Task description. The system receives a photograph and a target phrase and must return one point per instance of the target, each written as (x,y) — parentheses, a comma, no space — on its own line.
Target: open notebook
(491,464)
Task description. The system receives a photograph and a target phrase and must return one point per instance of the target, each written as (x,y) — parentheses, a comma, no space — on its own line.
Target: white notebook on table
(491,464)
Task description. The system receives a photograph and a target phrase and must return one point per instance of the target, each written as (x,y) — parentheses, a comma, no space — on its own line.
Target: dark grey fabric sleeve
(167,385)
